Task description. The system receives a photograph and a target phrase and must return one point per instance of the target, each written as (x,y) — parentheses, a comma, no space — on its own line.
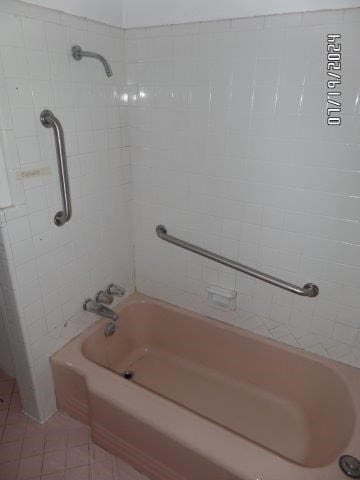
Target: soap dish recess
(221,298)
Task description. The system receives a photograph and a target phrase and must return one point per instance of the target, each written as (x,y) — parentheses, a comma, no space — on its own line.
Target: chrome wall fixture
(116,290)
(94,307)
(104,297)
(107,296)
(308,290)
(49,120)
(78,53)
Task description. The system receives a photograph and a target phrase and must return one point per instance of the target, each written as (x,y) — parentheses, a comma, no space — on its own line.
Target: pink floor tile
(10,451)
(14,417)
(128,476)
(60,421)
(124,467)
(35,429)
(3,415)
(54,461)
(78,473)
(98,454)
(14,432)
(5,401)
(30,467)
(15,403)
(33,445)
(103,471)
(54,476)
(78,456)
(55,440)
(78,436)
(9,470)
(6,387)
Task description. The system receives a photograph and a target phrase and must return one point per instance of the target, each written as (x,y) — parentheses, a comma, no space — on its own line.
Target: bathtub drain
(127,374)
(350,466)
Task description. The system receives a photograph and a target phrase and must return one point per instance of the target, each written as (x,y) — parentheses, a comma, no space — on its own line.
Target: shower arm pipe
(78,53)
(308,290)
(49,120)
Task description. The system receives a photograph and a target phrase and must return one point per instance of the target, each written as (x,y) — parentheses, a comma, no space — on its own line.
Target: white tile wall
(47,271)
(231,151)
(225,122)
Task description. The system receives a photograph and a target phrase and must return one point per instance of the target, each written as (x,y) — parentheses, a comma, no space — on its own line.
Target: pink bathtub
(208,401)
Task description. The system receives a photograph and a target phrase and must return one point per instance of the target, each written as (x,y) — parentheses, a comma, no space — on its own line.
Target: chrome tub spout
(101,310)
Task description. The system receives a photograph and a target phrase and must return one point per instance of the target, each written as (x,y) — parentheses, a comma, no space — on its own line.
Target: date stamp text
(334,79)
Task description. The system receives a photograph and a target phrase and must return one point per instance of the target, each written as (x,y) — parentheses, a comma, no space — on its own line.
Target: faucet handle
(90,305)
(104,297)
(116,290)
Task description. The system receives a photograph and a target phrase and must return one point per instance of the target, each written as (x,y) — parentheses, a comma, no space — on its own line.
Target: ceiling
(140,13)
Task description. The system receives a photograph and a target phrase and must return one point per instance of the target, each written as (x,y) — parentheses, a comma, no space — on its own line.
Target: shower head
(78,53)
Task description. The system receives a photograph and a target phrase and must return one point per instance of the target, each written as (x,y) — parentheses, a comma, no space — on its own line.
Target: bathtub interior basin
(287,402)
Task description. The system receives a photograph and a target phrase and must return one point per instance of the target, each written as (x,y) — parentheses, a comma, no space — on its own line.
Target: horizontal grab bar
(308,290)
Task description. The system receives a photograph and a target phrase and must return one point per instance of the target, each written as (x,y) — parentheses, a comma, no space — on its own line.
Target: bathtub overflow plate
(350,466)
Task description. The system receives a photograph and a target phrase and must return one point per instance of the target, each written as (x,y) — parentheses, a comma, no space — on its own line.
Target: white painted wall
(107,11)
(139,13)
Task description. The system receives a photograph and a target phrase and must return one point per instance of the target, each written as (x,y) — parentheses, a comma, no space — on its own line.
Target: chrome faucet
(94,307)
(104,297)
(116,290)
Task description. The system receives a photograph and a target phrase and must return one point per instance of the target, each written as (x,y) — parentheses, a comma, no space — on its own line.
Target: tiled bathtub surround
(47,271)
(231,151)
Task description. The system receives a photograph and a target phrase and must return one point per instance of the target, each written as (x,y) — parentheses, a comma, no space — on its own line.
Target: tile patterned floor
(61,449)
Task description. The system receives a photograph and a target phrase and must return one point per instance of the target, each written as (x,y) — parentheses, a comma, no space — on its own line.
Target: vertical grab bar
(49,120)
